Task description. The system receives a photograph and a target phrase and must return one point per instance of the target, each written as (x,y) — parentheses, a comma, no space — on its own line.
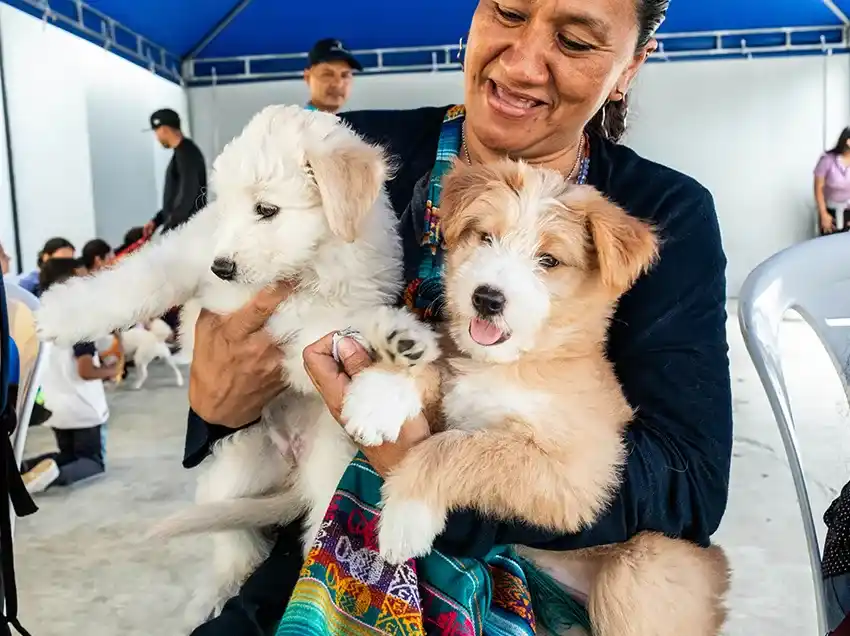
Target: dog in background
(297,196)
(145,343)
(534,412)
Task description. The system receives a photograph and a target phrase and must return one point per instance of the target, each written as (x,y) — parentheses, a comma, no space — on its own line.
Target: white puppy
(143,345)
(297,196)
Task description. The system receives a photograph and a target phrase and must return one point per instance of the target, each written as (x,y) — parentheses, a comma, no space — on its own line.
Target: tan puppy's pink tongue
(484,332)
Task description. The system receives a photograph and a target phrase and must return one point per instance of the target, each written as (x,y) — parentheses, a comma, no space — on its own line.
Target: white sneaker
(41,476)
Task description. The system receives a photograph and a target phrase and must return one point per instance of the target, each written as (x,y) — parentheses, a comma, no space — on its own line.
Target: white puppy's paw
(407,530)
(51,321)
(65,317)
(398,337)
(377,404)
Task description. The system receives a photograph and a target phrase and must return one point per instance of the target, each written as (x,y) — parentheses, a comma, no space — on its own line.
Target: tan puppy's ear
(461,186)
(350,174)
(625,247)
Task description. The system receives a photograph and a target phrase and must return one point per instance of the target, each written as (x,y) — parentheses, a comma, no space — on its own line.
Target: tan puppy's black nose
(224,268)
(488,301)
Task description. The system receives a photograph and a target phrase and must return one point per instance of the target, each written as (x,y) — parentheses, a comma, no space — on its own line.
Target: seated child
(73,390)
(836,563)
(96,255)
(57,247)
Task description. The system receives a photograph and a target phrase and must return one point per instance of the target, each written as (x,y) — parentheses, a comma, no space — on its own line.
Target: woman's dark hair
(94,249)
(610,121)
(56,270)
(133,235)
(841,145)
(52,246)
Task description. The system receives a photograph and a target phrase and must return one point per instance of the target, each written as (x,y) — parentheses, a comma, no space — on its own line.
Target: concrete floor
(83,566)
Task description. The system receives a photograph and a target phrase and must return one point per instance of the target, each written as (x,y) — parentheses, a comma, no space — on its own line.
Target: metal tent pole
(13,197)
(214,32)
(837,11)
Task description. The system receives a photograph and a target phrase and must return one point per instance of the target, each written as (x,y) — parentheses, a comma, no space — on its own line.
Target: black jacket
(667,342)
(185,188)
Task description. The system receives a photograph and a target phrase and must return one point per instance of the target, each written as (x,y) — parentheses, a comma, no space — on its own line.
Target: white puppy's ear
(350,174)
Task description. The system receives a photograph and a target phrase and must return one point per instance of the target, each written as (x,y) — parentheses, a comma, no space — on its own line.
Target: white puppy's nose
(224,268)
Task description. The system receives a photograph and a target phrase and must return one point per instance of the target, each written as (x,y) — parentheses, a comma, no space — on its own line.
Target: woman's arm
(826,222)
(668,344)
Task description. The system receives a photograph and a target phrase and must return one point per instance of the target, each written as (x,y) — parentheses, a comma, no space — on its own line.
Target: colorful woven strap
(346,588)
(424,294)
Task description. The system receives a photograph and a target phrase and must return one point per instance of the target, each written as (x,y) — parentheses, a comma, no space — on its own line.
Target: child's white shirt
(75,403)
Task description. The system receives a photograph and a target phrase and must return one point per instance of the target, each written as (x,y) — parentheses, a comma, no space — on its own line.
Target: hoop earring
(461,57)
(602,123)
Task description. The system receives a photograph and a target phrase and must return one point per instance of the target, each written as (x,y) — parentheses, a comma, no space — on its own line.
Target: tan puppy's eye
(548,261)
(487,239)
(266,210)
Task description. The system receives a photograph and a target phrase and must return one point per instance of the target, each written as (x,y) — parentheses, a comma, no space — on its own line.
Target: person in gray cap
(186,177)
(329,74)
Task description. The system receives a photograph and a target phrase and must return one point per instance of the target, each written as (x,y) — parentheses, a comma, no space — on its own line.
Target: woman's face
(536,71)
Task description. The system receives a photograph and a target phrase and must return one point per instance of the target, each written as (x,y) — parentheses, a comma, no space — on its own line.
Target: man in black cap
(186,177)
(329,73)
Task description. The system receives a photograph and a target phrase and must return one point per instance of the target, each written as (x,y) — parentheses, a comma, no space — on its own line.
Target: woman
(545,81)
(832,186)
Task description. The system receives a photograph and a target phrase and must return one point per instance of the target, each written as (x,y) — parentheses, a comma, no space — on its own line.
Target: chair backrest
(21,308)
(813,279)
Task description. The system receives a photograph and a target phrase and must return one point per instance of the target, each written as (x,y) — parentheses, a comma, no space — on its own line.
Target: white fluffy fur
(377,404)
(335,234)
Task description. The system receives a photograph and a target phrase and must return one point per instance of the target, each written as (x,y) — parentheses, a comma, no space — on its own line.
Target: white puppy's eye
(266,210)
(487,239)
(548,261)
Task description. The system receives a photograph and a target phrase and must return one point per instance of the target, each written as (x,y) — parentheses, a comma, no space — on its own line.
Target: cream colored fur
(536,420)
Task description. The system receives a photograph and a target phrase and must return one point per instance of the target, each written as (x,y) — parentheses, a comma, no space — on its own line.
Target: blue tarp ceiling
(285,26)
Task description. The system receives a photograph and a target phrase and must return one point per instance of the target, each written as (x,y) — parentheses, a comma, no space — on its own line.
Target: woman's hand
(827,223)
(236,365)
(332,383)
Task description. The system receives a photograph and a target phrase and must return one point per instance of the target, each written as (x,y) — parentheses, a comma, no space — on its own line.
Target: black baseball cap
(330,50)
(165,117)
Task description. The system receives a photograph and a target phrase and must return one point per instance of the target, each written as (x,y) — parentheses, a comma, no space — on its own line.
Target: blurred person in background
(185,191)
(73,387)
(56,247)
(97,254)
(832,186)
(131,238)
(329,74)
(185,178)
(835,565)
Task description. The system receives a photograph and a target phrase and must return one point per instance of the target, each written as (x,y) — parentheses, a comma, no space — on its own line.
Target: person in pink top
(832,186)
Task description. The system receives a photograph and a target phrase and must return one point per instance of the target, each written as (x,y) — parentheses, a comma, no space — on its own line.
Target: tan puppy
(535,267)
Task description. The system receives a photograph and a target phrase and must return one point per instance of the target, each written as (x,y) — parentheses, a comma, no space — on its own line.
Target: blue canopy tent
(199,42)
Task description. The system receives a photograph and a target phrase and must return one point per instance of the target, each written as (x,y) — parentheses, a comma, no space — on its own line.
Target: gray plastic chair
(813,279)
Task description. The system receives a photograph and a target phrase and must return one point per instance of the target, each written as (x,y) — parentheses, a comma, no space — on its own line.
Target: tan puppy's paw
(407,529)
